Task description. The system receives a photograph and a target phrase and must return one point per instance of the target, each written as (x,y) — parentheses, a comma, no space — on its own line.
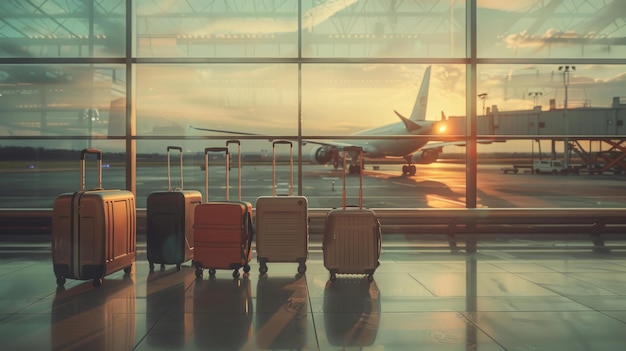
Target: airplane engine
(326,154)
(323,155)
(427,156)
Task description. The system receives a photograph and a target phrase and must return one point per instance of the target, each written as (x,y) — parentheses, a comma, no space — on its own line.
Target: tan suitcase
(282,223)
(93,231)
(352,235)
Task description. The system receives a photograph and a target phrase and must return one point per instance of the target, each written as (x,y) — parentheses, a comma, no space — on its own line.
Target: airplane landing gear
(409,170)
(354,169)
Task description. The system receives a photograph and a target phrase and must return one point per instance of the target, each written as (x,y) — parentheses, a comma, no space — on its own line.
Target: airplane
(413,151)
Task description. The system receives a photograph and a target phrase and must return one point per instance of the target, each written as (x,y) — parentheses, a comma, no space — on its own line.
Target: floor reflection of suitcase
(223,230)
(352,235)
(169,221)
(176,330)
(86,319)
(93,231)
(281,313)
(222,313)
(282,227)
(351,312)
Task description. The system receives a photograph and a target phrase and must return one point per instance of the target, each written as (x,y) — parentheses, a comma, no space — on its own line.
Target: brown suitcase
(169,221)
(282,223)
(352,235)
(93,231)
(222,230)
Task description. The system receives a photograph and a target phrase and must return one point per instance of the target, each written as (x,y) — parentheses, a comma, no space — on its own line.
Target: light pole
(566,70)
(483,97)
(535,95)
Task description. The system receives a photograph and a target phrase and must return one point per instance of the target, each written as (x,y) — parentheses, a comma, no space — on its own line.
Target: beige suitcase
(93,231)
(282,223)
(352,235)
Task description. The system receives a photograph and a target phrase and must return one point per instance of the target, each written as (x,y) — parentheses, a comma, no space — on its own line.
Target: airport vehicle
(549,166)
(93,231)
(169,221)
(412,150)
(282,223)
(352,235)
(222,230)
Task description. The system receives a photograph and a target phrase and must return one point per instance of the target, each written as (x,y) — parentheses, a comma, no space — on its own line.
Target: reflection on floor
(419,300)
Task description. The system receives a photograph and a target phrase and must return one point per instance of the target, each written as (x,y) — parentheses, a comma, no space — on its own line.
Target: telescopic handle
(83,157)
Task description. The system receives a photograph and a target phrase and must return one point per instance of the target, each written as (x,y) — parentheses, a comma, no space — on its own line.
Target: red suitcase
(93,231)
(352,235)
(222,230)
(169,221)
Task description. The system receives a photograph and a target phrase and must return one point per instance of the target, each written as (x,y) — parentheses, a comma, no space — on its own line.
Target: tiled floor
(420,299)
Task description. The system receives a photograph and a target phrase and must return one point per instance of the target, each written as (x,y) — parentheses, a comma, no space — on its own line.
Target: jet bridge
(596,135)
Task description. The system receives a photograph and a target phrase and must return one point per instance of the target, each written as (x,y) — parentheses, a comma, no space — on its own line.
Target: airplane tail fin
(419,108)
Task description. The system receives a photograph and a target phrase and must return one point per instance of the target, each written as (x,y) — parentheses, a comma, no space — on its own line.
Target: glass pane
(554,29)
(548,100)
(353,104)
(40,170)
(563,127)
(231,28)
(62,100)
(59,28)
(383,28)
(172,100)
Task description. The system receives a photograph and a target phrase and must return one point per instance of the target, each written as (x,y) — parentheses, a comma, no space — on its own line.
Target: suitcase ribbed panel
(350,243)
(282,236)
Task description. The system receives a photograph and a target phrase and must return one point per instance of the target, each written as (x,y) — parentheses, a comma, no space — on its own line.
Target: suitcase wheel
(246,268)
(211,272)
(370,277)
(199,272)
(128,269)
(151,267)
(301,268)
(178,267)
(333,276)
(263,269)
(60,281)
(236,273)
(97,282)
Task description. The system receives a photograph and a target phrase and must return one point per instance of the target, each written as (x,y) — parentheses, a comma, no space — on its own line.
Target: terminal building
(472,257)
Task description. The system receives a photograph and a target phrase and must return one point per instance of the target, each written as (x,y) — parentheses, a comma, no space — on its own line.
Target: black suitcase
(169,221)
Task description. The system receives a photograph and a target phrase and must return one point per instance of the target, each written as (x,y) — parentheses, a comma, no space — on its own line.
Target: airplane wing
(330,143)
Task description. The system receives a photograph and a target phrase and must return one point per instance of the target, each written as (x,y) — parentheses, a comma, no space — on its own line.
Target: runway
(437,185)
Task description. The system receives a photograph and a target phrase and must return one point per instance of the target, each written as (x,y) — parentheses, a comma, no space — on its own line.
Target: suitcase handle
(206,168)
(343,193)
(83,157)
(180,150)
(234,141)
(283,142)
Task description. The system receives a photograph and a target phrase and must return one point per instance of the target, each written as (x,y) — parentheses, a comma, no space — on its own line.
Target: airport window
(133,77)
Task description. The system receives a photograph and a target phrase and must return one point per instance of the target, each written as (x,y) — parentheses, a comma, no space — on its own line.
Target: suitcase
(352,235)
(169,221)
(282,223)
(222,230)
(93,231)
(351,312)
